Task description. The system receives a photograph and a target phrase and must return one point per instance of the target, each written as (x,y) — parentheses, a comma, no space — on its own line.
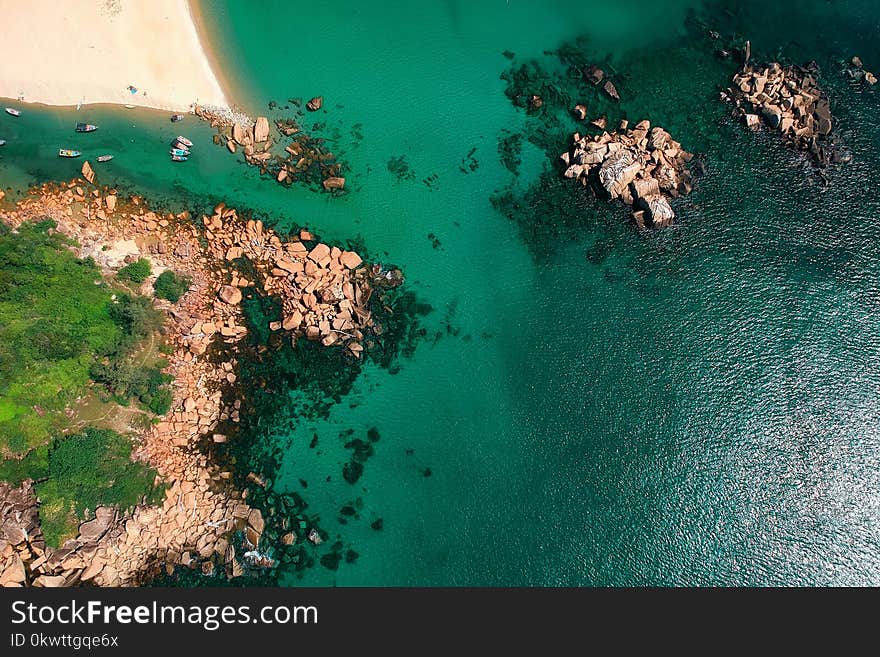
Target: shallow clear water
(693,406)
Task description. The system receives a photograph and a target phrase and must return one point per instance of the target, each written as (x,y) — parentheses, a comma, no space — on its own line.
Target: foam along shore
(66,52)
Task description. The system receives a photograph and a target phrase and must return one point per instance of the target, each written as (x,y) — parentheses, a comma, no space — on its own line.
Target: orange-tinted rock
(261,129)
(315,104)
(320,252)
(87,172)
(334,182)
(230,295)
(292,321)
(350,259)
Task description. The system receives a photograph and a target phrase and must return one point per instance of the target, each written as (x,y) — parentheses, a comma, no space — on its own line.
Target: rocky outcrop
(303,159)
(315,104)
(324,290)
(644,167)
(325,294)
(857,72)
(786,99)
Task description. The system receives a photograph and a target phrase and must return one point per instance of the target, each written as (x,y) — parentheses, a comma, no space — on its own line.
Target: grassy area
(62,330)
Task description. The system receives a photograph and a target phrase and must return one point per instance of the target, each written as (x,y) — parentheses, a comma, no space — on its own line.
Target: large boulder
(334,182)
(87,172)
(239,134)
(229,294)
(261,129)
(618,171)
(659,209)
(315,103)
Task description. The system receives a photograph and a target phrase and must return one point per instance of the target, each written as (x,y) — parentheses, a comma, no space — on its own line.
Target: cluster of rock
(787,99)
(857,71)
(21,539)
(305,158)
(643,166)
(596,76)
(324,291)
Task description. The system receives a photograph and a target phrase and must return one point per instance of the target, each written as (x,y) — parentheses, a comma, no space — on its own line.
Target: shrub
(136,272)
(86,470)
(160,403)
(170,286)
(137,318)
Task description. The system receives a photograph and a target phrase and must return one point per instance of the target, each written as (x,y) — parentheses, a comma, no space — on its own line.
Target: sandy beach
(63,52)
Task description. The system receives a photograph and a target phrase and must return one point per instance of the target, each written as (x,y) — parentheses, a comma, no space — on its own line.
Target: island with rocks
(325,293)
(786,99)
(642,166)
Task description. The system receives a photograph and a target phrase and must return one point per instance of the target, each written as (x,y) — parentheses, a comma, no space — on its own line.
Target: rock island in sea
(325,293)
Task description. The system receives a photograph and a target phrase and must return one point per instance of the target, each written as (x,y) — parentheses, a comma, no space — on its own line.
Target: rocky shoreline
(644,167)
(324,292)
(305,157)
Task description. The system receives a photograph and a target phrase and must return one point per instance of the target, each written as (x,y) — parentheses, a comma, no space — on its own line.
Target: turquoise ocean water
(694,406)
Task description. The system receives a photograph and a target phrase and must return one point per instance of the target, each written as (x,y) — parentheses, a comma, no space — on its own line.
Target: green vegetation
(171,286)
(136,272)
(62,328)
(56,317)
(124,380)
(83,471)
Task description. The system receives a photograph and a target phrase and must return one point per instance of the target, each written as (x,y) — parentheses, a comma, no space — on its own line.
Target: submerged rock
(315,104)
(611,90)
(593,74)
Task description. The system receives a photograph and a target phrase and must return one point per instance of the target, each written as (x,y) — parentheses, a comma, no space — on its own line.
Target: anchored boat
(85,127)
(176,117)
(2,142)
(66,152)
(178,158)
(179,151)
(186,142)
(13,111)
(105,158)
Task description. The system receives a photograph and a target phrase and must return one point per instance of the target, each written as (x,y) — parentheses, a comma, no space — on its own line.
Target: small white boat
(186,142)
(66,152)
(105,158)
(2,142)
(128,106)
(13,111)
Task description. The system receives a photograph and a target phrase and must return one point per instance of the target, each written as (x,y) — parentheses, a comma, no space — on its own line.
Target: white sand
(62,52)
